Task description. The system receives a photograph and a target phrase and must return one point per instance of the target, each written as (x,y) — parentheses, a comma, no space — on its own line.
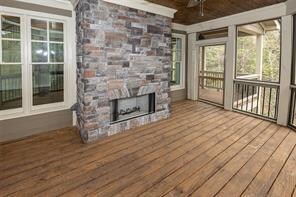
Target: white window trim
(181,86)
(69,64)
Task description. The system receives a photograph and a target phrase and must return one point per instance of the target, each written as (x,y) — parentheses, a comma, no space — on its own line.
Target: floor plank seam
(281,169)
(263,165)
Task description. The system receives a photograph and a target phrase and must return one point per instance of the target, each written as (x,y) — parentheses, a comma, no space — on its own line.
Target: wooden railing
(210,79)
(259,98)
(292,121)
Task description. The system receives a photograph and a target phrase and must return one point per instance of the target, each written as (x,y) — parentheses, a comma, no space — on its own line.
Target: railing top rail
(206,71)
(261,83)
(249,76)
(209,77)
(293,86)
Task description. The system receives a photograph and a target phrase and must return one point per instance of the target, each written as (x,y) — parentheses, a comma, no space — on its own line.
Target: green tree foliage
(271,56)
(214,58)
(247,54)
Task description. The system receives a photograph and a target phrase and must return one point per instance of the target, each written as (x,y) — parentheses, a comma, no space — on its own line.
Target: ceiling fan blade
(193,3)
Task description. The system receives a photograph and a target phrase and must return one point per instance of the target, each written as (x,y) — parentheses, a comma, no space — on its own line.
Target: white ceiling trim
(179,27)
(269,12)
(291,7)
(61,4)
(145,6)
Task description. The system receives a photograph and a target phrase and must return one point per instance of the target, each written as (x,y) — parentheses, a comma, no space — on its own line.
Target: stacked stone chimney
(122,53)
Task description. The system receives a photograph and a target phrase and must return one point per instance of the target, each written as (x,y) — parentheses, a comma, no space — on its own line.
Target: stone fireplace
(123,71)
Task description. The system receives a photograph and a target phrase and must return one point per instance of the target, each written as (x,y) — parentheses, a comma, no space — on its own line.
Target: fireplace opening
(128,108)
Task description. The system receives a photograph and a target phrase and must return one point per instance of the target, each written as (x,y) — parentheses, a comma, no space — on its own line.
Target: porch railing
(210,79)
(292,121)
(259,98)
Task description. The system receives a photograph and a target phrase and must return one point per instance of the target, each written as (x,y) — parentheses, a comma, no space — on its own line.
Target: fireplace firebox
(128,108)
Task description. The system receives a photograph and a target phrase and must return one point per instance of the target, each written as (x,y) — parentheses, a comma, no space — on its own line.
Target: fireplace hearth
(129,108)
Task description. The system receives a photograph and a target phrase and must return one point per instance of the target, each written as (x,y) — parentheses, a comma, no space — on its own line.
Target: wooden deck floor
(211,95)
(200,151)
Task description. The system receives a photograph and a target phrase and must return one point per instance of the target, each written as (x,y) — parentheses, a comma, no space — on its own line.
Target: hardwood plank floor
(201,150)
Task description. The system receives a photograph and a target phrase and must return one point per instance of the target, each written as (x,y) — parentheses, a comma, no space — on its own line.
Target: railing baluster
(237,95)
(258,97)
(263,101)
(242,99)
(247,97)
(276,103)
(252,104)
(293,106)
(270,91)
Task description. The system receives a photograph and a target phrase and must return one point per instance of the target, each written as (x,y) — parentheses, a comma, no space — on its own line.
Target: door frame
(210,42)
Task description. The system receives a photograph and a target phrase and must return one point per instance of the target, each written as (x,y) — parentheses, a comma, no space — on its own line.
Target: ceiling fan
(193,3)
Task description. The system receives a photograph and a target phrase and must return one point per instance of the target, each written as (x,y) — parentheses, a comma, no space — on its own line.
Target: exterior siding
(30,125)
(179,95)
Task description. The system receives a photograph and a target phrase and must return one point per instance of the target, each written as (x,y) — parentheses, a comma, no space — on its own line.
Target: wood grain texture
(212,8)
(201,150)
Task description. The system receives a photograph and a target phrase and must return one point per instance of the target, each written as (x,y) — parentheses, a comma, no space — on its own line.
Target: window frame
(27,108)
(40,108)
(19,110)
(183,63)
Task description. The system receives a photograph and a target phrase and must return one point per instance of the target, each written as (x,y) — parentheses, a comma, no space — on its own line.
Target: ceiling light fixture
(193,3)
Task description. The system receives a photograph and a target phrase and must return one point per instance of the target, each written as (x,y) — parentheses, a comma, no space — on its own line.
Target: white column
(286,69)
(259,58)
(229,67)
(259,64)
(192,68)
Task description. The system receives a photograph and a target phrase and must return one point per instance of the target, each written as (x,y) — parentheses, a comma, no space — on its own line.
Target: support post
(259,58)
(286,69)
(229,67)
(202,71)
(192,68)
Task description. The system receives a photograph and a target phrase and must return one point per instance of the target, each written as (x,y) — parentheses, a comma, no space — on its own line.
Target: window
(34,73)
(178,62)
(259,51)
(47,46)
(11,63)
(213,34)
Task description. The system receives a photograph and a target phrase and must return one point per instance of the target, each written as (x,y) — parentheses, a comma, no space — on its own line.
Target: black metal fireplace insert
(133,107)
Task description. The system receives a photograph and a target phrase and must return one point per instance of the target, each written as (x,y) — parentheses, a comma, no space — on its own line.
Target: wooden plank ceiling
(212,8)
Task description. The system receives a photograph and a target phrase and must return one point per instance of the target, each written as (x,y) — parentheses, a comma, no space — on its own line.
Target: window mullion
(26,63)
(1,38)
(48,43)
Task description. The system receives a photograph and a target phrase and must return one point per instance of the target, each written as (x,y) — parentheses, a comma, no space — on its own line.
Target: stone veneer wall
(122,52)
